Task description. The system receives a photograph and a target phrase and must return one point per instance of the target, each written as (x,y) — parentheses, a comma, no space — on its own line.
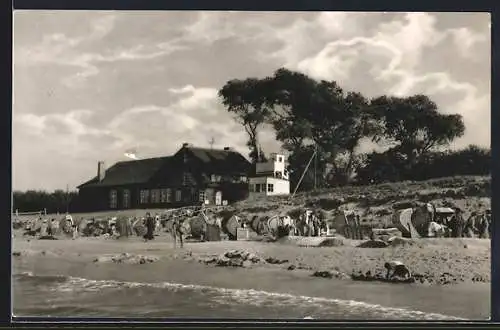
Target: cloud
(60,49)
(91,85)
(466,40)
(53,47)
(89,61)
(392,59)
(182,90)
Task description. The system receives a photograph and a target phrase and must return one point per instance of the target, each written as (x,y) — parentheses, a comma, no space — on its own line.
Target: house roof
(141,171)
(220,161)
(129,172)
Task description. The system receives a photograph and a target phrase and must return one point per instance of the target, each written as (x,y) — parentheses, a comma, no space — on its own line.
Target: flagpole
(315,164)
(67,198)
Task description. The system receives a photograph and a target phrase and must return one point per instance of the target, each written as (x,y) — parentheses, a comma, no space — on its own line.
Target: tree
(298,161)
(414,126)
(306,111)
(380,167)
(33,201)
(246,99)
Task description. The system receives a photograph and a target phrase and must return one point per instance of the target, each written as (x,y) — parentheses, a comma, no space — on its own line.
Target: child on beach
(396,270)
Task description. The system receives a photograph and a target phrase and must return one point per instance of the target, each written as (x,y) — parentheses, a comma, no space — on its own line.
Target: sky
(92,85)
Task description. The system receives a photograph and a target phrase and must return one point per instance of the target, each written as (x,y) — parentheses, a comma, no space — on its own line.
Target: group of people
(311,223)
(153,224)
(477,224)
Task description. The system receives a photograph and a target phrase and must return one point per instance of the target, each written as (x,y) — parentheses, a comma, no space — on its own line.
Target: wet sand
(468,300)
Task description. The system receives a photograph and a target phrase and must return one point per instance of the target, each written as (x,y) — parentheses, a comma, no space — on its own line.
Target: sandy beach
(465,260)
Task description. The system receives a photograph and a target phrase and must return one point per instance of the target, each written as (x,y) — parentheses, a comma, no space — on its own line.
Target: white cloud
(60,49)
(182,90)
(210,27)
(72,124)
(465,40)
(53,47)
(410,36)
(199,99)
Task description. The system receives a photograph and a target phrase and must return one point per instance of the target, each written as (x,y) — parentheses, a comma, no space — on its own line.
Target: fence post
(45,211)
(17,212)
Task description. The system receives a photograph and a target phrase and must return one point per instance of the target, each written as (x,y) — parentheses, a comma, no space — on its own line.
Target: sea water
(66,296)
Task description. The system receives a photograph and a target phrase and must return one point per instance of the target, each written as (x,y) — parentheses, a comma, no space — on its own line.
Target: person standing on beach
(54,227)
(488,220)
(150,227)
(483,227)
(177,231)
(157,224)
(460,222)
(44,228)
(357,227)
(75,231)
(470,225)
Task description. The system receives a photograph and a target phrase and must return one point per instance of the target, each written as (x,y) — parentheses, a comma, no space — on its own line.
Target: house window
(280,159)
(263,187)
(277,175)
(185,178)
(251,188)
(257,187)
(270,187)
(169,195)
(178,195)
(144,196)
(194,195)
(201,196)
(155,196)
(243,179)
(126,198)
(163,195)
(215,178)
(113,199)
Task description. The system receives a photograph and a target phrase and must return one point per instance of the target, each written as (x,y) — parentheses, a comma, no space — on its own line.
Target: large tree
(414,126)
(246,99)
(306,111)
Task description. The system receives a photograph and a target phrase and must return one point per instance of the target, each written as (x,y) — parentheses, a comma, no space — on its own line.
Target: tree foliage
(308,114)
(34,201)
(414,125)
(246,99)
(390,166)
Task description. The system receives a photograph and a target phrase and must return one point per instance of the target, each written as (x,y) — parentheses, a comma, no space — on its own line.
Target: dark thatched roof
(142,171)
(220,161)
(129,172)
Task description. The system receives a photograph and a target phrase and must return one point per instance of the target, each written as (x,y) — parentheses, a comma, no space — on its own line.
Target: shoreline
(76,258)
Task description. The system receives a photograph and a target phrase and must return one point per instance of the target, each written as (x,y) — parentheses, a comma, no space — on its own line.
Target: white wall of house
(276,165)
(268,186)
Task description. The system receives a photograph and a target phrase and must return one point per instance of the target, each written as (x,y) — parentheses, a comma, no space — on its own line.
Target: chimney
(186,145)
(101,170)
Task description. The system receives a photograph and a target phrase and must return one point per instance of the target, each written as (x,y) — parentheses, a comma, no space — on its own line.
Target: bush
(389,166)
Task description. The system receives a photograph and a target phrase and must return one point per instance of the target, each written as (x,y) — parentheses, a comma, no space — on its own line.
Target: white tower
(271,178)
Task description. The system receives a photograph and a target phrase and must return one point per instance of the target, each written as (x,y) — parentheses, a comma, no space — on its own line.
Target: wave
(231,297)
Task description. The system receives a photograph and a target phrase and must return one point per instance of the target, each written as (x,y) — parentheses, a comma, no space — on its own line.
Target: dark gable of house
(209,165)
(190,170)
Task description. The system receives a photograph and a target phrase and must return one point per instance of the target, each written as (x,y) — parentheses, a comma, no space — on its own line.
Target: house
(270,178)
(189,177)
